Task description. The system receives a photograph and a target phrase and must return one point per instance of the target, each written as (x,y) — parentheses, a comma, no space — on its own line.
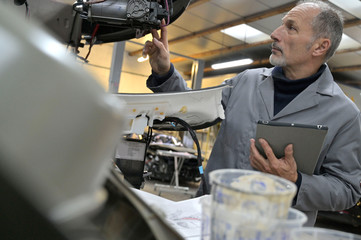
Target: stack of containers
(247,205)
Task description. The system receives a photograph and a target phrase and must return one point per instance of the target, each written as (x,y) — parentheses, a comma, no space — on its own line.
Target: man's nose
(275,35)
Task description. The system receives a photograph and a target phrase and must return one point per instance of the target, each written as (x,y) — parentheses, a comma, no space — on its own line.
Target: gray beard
(277,62)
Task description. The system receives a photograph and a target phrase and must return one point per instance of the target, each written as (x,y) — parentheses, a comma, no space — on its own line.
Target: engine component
(138,13)
(125,19)
(103,21)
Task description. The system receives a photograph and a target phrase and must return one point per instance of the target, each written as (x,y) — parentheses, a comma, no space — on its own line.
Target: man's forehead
(310,4)
(302,12)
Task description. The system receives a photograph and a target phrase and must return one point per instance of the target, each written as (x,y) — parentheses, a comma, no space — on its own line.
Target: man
(300,89)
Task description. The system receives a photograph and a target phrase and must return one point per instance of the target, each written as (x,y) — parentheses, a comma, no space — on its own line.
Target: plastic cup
(245,204)
(206,217)
(314,233)
(295,219)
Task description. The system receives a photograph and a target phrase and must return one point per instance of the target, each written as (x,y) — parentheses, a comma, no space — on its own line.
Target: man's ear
(321,47)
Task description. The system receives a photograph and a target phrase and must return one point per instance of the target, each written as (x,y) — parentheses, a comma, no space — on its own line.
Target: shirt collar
(324,83)
(278,73)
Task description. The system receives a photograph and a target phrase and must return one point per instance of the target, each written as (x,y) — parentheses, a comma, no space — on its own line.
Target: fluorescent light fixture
(348,42)
(245,33)
(230,64)
(350,6)
(142,59)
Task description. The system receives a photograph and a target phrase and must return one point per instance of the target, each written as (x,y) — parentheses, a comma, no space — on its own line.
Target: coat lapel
(306,99)
(310,97)
(266,91)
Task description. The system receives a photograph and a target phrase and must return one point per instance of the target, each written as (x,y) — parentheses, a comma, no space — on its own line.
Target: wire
(94,2)
(92,40)
(167,8)
(195,139)
(27,12)
(168,17)
(149,135)
(72,29)
(81,58)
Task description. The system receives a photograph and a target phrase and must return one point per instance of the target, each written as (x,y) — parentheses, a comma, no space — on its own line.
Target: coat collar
(308,98)
(324,82)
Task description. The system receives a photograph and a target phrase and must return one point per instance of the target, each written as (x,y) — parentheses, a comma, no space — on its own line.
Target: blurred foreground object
(58,134)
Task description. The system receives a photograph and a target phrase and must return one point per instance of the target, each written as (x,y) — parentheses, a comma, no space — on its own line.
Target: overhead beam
(350,82)
(223,50)
(348,50)
(352,23)
(249,19)
(346,68)
(196,3)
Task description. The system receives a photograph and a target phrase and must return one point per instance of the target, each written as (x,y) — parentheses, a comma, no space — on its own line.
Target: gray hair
(327,24)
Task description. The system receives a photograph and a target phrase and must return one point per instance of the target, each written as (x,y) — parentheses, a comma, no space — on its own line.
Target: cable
(27,12)
(94,2)
(195,139)
(149,135)
(72,29)
(167,8)
(92,40)
(21,2)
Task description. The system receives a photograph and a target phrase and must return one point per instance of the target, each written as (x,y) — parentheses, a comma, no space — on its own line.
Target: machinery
(101,21)
(162,167)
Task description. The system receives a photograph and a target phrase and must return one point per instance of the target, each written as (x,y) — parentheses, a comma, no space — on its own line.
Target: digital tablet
(307,141)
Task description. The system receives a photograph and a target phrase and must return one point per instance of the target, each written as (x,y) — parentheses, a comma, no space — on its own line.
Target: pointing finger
(164,34)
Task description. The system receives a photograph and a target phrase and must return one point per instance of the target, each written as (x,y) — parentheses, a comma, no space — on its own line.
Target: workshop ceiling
(198,34)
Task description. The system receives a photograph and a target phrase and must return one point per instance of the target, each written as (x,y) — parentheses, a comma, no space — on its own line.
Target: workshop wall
(100,59)
(353,93)
(134,74)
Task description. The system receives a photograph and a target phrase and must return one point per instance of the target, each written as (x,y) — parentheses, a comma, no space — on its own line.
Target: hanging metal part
(139,13)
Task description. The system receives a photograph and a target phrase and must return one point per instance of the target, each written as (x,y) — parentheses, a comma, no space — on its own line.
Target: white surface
(130,150)
(184,216)
(194,107)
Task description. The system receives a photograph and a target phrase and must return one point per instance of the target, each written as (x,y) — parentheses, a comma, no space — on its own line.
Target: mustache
(275,46)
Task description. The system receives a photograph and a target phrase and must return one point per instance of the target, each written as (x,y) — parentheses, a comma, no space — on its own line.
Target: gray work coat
(335,184)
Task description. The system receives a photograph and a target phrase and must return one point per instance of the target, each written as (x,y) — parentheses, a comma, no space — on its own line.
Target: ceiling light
(348,42)
(142,59)
(351,6)
(230,64)
(245,33)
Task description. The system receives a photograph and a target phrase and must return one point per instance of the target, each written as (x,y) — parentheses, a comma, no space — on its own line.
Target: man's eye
(291,27)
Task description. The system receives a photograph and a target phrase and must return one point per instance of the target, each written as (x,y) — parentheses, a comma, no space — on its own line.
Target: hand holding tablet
(307,141)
